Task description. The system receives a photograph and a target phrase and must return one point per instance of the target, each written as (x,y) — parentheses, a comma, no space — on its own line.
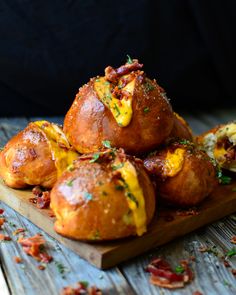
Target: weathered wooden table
(211,275)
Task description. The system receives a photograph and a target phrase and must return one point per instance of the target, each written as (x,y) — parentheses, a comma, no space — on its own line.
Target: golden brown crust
(26,160)
(191,184)
(89,204)
(181,129)
(89,122)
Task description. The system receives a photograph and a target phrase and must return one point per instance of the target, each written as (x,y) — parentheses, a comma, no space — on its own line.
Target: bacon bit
(4,238)
(41,267)
(226,263)
(51,214)
(188,212)
(112,74)
(42,198)
(34,246)
(17,259)
(1,211)
(233,240)
(163,275)
(197,293)
(2,220)
(19,230)
(82,288)
(233,271)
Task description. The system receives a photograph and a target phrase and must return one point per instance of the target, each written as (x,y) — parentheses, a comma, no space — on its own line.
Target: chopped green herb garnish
(223,179)
(132,197)
(97,80)
(226,283)
(119,187)
(95,158)
(117,110)
(129,60)
(148,86)
(146,110)
(116,167)
(61,268)
(88,196)
(184,141)
(84,284)
(70,167)
(70,182)
(179,269)
(231,252)
(106,143)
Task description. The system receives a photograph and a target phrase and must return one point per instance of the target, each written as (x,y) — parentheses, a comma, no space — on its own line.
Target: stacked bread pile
(121,152)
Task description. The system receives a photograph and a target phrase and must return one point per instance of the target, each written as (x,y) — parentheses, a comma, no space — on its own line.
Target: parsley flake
(70,182)
(116,167)
(231,252)
(106,143)
(223,179)
(146,110)
(95,158)
(179,269)
(129,60)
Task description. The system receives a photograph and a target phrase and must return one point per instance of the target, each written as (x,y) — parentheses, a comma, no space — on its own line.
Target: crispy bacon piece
(191,211)
(4,238)
(42,198)
(2,220)
(80,289)
(112,74)
(18,231)
(233,240)
(35,247)
(17,259)
(163,275)
(1,211)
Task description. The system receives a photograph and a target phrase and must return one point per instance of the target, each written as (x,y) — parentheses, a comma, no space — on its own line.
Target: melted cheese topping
(59,145)
(174,162)
(134,196)
(121,109)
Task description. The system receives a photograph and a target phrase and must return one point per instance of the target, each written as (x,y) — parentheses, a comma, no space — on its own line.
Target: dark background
(48,49)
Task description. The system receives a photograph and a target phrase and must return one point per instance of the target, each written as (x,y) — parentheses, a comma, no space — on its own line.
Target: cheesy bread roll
(124,107)
(36,156)
(220,144)
(106,196)
(184,175)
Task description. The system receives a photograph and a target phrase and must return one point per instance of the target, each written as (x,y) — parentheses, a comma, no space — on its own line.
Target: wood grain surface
(220,203)
(211,275)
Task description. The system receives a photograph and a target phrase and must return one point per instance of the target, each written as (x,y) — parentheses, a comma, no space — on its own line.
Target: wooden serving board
(221,203)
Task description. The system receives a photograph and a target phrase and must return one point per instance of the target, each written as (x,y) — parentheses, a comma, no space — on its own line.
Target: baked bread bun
(106,196)
(36,156)
(184,175)
(220,144)
(180,130)
(124,107)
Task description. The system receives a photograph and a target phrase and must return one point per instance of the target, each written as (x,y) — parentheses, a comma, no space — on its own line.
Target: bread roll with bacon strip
(124,107)
(36,156)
